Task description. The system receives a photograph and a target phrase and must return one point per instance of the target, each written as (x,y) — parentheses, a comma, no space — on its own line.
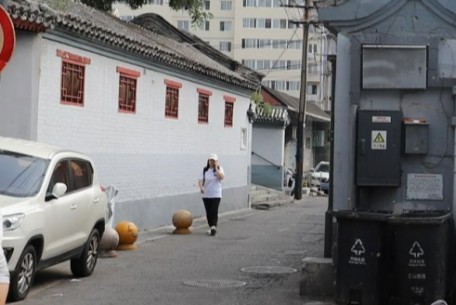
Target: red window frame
(72,78)
(127,89)
(172,99)
(229,110)
(203,105)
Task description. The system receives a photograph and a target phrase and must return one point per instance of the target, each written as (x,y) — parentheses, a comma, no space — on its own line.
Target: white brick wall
(145,155)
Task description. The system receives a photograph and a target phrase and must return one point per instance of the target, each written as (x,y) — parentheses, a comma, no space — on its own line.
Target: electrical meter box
(415,136)
(378,148)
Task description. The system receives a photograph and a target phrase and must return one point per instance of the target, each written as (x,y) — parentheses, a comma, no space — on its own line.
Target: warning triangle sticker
(379,138)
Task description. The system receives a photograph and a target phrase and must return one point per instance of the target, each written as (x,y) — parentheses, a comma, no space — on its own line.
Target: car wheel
(22,278)
(85,264)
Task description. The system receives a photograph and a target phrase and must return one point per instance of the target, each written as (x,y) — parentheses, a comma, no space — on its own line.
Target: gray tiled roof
(46,15)
(292,104)
(159,25)
(276,115)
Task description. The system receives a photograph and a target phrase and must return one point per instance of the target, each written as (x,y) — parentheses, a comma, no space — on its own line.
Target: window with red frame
(203,108)
(72,86)
(229,106)
(127,93)
(172,102)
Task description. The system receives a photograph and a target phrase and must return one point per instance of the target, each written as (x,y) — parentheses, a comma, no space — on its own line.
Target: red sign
(7,37)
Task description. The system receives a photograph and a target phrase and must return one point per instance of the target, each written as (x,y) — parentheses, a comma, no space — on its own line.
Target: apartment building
(265,35)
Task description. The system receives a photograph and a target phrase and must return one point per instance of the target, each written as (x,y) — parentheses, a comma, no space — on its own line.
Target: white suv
(53,210)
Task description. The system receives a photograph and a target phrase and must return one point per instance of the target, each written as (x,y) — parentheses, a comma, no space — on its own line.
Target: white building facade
(261,34)
(151,152)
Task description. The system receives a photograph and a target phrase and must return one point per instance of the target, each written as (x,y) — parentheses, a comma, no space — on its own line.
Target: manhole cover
(268,270)
(215,283)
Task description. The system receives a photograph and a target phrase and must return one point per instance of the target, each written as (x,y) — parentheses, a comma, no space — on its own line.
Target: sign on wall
(7,38)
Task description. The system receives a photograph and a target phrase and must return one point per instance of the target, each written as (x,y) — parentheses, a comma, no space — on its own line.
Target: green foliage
(257,98)
(192,7)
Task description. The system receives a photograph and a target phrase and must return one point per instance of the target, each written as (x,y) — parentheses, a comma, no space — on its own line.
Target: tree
(193,7)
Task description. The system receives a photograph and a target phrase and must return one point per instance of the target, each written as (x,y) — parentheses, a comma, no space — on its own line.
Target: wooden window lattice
(72,86)
(127,93)
(172,102)
(203,108)
(229,114)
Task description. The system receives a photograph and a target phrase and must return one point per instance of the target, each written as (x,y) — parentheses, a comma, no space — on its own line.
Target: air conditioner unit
(318,138)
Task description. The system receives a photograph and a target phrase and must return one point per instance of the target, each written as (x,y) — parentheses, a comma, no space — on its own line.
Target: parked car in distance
(53,210)
(324,186)
(320,174)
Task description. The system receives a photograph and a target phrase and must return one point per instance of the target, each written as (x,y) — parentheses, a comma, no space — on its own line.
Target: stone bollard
(109,242)
(182,220)
(128,234)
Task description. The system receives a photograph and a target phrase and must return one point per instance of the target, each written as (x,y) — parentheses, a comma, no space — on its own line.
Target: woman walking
(210,186)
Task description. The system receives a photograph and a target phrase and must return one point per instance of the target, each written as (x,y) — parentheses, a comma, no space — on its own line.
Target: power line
(281,54)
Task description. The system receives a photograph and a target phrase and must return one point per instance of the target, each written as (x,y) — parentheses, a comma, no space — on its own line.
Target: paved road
(199,269)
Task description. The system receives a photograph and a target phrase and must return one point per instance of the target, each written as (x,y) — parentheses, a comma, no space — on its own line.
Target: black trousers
(211,205)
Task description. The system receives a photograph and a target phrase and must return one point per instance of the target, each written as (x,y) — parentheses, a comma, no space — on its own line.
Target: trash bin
(360,259)
(419,252)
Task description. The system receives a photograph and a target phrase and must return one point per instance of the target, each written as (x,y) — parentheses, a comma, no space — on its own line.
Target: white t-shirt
(212,184)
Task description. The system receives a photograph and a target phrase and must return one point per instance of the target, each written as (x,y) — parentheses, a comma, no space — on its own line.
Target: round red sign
(7,37)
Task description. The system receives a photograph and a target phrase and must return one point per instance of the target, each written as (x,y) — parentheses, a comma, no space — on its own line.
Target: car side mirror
(59,190)
(312,170)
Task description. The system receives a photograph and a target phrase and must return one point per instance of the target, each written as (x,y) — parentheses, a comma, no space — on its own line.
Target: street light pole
(300,133)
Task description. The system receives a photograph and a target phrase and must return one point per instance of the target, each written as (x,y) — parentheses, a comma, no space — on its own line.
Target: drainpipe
(329,212)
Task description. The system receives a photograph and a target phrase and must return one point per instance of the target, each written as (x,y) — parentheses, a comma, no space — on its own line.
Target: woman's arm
(219,172)
(201,186)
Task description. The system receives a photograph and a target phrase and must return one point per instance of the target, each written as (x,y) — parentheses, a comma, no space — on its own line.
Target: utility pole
(300,133)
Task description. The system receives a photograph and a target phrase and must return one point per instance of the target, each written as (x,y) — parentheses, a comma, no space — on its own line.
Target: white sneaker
(213,231)
(209,232)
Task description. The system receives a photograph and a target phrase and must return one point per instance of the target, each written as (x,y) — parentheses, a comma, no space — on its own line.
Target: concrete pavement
(255,258)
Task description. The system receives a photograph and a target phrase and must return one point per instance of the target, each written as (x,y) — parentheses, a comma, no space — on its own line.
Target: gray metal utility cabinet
(394,113)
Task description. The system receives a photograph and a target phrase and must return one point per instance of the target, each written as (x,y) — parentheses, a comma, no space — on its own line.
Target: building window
(203,105)
(72,78)
(243,138)
(172,99)
(294,85)
(249,63)
(206,5)
(265,44)
(225,26)
(264,3)
(249,3)
(183,24)
(229,110)
(249,43)
(156,2)
(127,89)
(225,46)
(226,5)
(277,3)
(249,23)
(204,26)
(312,89)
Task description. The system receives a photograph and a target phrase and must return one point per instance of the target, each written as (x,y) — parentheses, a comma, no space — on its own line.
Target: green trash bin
(418,264)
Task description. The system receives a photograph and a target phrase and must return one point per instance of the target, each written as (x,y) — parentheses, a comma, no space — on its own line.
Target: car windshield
(21,175)
(323,168)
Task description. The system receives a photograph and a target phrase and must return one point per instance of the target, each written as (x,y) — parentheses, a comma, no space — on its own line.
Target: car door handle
(96,200)
(74,207)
